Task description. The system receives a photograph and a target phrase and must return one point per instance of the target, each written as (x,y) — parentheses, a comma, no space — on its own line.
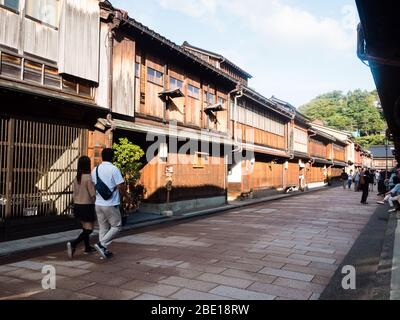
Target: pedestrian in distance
(365,180)
(344,177)
(110,188)
(84,196)
(357,177)
(350,179)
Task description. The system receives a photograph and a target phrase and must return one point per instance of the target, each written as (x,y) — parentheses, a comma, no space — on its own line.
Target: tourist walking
(350,179)
(365,180)
(344,177)
(109,189)
(84,196)
(357,177)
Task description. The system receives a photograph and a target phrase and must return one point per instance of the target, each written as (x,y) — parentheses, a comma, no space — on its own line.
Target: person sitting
(393,195)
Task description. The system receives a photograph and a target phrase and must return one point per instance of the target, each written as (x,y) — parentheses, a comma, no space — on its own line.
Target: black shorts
(85,212)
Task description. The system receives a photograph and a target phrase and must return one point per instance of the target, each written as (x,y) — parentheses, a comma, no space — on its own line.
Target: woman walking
(84,207)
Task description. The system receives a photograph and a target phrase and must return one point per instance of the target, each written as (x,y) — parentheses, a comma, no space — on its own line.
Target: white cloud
(277,21)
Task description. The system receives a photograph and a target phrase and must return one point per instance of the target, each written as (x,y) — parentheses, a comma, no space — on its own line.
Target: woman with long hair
(84,206)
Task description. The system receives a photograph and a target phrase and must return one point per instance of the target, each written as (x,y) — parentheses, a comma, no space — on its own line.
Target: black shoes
(90,250)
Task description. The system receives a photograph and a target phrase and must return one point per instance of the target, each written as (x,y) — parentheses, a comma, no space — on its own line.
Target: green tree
(127,159)
(367,142)
(355,111)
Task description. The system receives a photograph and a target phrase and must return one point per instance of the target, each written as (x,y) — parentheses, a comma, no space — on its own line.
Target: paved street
(287,249)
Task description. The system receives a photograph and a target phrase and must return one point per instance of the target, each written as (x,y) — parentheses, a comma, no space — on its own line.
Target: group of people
(364,180)
(391,182)
(97,196)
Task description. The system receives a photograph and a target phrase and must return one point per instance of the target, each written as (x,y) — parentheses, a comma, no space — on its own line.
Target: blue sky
(295,49)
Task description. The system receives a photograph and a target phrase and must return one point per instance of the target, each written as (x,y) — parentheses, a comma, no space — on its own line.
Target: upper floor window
(221,100)
(175,83)
(45,11)
(39,74)
(154,76)
(209,98)
(11,4)
(193,91)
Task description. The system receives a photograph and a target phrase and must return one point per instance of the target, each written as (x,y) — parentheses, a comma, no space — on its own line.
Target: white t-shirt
(112,177)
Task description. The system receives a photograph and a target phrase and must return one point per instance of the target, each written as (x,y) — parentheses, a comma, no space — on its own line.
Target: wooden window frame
(190,93)
(177,81)
(38,20)
(17,11)
(149,77)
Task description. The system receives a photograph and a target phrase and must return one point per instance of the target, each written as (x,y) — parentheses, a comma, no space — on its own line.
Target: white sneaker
(100,250)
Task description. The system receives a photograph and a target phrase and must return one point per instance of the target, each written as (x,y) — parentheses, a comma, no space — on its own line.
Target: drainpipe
(112,26)
(238,95)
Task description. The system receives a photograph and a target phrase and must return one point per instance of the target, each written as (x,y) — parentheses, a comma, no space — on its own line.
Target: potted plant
(127,159)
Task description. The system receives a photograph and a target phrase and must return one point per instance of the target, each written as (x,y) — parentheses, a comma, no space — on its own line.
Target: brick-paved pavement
(287,249)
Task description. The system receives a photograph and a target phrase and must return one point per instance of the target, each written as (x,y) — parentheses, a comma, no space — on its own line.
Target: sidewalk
(284,249)
(11,248)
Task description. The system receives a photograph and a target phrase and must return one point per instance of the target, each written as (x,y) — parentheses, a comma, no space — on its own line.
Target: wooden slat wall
(124,77)
(335,172)
(339,153)
(257,136)
(317,148)
(102,92)
(293,174)
(222,117)
(154,106)
(9,28)
(194,114)
(188,182)
(266,175)
(79,39)
(42,41)
(315,174)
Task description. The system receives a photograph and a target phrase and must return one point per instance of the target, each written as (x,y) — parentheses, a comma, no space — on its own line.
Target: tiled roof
(380,151)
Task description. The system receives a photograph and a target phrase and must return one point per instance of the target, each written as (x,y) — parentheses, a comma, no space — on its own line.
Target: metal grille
(38,166)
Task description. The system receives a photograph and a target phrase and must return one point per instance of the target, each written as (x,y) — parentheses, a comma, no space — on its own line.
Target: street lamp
(387,153)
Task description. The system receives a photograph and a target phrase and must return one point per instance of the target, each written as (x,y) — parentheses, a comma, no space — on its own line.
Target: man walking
(109,188)
(365,180)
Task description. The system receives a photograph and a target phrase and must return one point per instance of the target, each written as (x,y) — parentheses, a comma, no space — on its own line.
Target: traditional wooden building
(175,106)
(298,137)
(76,77)
(49,73)
(259,129)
